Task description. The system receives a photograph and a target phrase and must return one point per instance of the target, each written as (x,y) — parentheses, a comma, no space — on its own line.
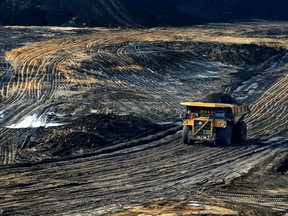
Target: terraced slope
(73,80)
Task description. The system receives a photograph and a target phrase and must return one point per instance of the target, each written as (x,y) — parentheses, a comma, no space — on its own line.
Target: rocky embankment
(130,13)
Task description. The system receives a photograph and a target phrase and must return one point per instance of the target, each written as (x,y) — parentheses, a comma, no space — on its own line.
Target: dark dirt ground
(116,94)
(86,135)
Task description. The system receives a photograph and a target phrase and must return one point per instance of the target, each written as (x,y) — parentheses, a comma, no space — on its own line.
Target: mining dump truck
(217,123)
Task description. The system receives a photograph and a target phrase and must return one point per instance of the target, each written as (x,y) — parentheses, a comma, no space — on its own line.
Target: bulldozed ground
(90,120)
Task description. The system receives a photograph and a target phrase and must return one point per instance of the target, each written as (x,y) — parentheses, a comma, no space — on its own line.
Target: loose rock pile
(220,98)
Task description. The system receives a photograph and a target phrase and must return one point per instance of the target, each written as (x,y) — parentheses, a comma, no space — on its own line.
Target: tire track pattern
(41,74)
(269,113)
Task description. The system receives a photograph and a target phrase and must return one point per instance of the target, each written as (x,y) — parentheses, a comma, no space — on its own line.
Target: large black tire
(185,137)
(224,136)
(240,132)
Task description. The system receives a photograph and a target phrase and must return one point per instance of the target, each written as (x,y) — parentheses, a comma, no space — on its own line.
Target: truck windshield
(220,114)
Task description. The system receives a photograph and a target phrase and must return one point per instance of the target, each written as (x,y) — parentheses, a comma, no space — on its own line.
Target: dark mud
(86,135)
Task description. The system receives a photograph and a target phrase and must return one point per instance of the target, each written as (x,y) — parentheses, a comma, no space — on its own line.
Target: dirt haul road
(90,120)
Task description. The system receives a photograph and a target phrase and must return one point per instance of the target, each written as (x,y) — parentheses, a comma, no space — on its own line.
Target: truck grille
(205,131)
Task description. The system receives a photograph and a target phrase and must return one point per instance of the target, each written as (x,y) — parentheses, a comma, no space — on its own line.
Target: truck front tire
(225,136)
(185,134)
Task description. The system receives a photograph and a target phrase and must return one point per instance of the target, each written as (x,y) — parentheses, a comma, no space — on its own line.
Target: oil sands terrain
(90,120)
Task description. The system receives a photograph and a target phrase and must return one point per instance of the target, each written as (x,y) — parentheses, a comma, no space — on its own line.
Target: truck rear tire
(240,132)
(225,136)
(185,136)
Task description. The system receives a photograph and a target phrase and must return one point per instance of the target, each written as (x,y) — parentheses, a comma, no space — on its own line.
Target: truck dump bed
(238,111)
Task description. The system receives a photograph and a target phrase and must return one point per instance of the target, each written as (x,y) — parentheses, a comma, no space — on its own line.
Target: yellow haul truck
(218,123)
